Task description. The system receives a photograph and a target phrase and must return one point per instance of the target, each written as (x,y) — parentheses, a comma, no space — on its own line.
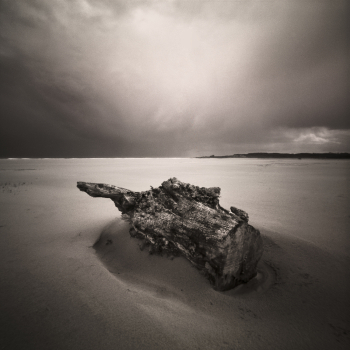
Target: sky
(173,78)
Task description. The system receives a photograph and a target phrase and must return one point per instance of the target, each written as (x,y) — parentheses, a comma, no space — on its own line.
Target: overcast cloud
(103,78)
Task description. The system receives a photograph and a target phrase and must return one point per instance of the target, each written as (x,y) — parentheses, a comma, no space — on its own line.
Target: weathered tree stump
(181,219)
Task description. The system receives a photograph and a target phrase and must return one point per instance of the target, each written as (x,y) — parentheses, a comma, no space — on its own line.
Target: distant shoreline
(329,155)
(286,155)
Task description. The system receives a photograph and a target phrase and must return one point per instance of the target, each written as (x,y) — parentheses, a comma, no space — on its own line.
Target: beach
(71,277)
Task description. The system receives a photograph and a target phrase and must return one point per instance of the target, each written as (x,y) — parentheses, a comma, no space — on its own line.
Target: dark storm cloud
(173,78)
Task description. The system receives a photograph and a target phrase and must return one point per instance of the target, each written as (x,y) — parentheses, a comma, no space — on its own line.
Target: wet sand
(71,277)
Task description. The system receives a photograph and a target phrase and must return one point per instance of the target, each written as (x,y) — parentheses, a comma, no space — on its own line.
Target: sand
(71,277)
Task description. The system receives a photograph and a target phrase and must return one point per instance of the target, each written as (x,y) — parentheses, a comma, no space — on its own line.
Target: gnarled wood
(179,218)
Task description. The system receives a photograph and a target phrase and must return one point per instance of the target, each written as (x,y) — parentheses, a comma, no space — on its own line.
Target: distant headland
(286,155)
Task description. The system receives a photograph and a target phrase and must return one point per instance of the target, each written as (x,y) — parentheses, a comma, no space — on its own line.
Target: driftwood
(181,219)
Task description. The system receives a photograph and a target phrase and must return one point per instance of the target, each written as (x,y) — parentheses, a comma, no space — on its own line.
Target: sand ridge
(283,289)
